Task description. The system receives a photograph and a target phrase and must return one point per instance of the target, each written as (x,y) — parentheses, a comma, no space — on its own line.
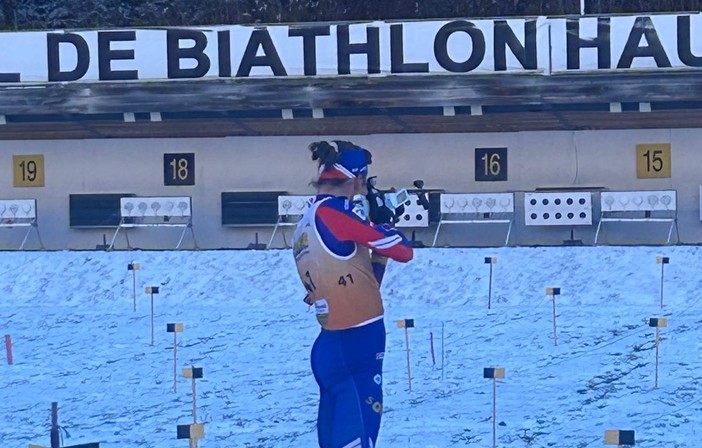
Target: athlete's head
(341,164)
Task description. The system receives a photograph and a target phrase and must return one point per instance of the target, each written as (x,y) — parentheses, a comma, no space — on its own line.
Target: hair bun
(325,152)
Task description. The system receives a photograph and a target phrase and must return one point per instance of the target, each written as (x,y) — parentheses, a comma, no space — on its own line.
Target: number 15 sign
(652,160)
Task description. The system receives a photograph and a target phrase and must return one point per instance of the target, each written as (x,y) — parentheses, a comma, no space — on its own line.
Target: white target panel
(292,205)
(18,209)
(415,215)
(638,201)
(567,208)
(477,203)
(150,207)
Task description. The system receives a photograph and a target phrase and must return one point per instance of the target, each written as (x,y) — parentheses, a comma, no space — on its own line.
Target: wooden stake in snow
(553,292)
(151,290)
(8,348)
(494,373)
(657,323)
(662,261)
(193,373)
(406,324)
(133,267)
(619,437)
(490,261)
(175,328)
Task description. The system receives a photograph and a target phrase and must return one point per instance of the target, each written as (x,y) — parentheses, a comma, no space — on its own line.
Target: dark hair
(326,153)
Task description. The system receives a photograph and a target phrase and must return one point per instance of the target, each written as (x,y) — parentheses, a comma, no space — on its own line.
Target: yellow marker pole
(151,290)
(662,261)
(175,362)
(409,364)
(657,323)
(494,373)
(655,385)
(494,412)
(490,261)
(133,267)
(406,324)
(553,292)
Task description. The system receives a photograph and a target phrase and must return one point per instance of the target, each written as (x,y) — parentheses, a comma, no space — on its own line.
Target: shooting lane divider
(151,290)
(662,261)
(406,324)
(133,267)
(175,328)
(553,292)
(8,349)
(494,373)
(657,323)
(194,373)
(490,261)
(620,437)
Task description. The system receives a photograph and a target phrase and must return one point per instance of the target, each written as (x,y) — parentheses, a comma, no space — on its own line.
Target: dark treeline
(53,14)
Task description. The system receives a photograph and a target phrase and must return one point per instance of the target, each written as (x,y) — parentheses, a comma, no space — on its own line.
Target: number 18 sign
(179,169)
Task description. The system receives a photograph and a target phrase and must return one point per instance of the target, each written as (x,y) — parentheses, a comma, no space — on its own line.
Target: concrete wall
(445,161)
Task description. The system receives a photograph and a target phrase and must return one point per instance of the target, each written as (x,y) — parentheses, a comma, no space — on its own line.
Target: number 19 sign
(28,170)
(179,169)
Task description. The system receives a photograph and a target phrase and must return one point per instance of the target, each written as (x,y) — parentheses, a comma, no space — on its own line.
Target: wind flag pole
(657,323)
(407,323)
(133,267)
(175,328)
(193,373)
(490,261)
(152,290)
(553,292)
(494,373)
(662,261)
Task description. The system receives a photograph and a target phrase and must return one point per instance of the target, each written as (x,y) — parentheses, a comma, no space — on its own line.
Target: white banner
(521,45)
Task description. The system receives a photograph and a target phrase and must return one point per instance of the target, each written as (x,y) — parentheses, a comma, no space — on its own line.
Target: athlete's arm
(345,225)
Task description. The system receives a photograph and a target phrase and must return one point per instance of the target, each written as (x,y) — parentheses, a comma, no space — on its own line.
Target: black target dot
(545,201)
(558,216)
(546,215)
(557,202)
(533,216)
(583,215)
(418,217)
(569,201)
(570,216)
(582,201)
(533,202)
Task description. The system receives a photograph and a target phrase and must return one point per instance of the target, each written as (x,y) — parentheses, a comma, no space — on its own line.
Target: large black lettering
(574,44)
(106,55)
(345,49)
(53,43)
(197,52)
(309,45)
(505,37)
(260,38)
(685,43)
(397,54)
(643,26)
(224,56)
(441,46)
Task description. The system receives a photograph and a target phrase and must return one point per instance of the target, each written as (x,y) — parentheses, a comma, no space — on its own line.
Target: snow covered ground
(78,342)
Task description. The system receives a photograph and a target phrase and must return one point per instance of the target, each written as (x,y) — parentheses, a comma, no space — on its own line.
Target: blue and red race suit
(332,246)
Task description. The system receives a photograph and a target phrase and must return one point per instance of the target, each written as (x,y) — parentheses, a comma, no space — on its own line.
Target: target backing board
(567,208)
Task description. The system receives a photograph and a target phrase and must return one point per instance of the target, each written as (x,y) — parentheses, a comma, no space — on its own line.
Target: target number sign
(653,160)
(28,170)
(179,169)
(490,164)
